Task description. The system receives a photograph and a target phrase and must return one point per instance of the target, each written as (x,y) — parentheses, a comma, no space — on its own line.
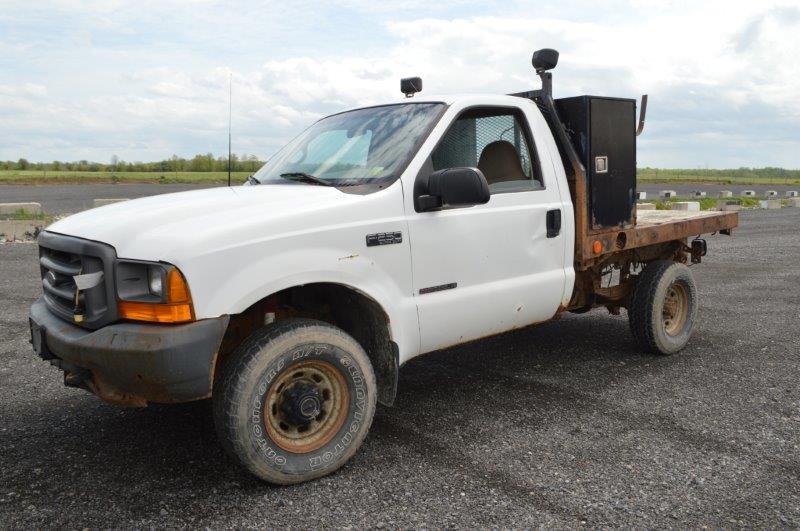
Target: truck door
(490,268)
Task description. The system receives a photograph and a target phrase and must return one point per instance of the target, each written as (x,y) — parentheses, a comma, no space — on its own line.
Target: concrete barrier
(791,193)
(698,194)
(9,209)
(794,202)
(646,206)
(725,193)
(104,202)
(770,204)
(691,206)
(771,193)
(16,230)
(668,193)
(729,206)
(641,195)
(748,193)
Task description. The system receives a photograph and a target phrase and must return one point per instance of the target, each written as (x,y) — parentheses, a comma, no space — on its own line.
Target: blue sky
(143,80)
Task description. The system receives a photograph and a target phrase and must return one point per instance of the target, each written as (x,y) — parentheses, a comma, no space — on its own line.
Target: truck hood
(161,226)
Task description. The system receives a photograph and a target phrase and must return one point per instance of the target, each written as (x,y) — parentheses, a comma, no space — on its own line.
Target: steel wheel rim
(675,310)
(330,390)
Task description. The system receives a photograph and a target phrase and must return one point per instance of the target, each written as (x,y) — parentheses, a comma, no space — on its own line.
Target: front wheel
(663,307)
(295,401)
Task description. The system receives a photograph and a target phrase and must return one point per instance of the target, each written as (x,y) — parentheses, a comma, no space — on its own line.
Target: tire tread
(237,369)
(644,304)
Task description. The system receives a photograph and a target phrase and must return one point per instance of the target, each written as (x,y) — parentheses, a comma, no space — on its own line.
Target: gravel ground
(71,198)
(562,425)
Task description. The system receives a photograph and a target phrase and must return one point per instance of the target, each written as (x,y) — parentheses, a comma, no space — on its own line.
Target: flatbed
(697,222)
(660,226)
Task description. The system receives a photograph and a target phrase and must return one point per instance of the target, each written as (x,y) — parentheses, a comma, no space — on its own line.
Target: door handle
(553,222)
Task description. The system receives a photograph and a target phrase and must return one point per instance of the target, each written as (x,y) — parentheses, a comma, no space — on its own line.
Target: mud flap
(387,375)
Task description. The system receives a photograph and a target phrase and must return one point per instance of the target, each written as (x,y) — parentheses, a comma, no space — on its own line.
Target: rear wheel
(663,307)
(295,401)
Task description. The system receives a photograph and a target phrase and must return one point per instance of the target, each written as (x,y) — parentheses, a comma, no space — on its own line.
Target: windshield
(363,146)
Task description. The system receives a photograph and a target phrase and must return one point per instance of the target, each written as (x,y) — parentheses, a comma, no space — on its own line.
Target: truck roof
(447,99)
(458,98)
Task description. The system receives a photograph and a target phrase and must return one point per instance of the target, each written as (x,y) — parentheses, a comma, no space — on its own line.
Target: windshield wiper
(252,181)
(305,178)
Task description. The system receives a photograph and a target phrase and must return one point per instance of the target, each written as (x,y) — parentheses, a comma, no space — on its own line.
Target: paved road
(71,198)
(63,199)
(562,425)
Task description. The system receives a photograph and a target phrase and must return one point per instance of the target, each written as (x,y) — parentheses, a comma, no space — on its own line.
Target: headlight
(152,291)
(156,281)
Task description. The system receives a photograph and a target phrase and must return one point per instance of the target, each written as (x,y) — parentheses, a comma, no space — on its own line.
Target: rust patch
(112,395)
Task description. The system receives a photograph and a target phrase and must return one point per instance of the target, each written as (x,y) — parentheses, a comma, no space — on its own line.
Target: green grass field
(645,175)
(740,176)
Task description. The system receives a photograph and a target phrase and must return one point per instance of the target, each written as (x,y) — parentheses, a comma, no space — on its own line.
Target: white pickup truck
(377,235)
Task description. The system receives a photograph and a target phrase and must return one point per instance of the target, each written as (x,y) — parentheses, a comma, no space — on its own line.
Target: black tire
(267,393)
(663,307)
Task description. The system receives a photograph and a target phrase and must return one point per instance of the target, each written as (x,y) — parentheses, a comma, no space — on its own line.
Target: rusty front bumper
(129,363)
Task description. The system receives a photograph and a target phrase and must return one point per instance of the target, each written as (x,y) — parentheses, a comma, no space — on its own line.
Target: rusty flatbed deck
(649,218)
(657,226)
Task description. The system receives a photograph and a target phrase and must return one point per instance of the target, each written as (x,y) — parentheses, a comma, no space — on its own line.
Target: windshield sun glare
(363,146)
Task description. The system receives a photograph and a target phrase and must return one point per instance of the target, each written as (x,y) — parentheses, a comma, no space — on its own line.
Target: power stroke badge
(384,238)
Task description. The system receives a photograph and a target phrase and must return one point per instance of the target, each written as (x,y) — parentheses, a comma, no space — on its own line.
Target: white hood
(163,226)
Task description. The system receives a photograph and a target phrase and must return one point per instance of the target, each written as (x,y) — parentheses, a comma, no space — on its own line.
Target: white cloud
(719,75)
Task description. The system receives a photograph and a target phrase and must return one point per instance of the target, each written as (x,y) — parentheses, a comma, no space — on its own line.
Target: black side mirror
(454,187)
(544,59)
(410,86)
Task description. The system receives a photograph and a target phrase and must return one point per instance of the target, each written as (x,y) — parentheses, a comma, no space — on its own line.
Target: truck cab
(498,255)
(377,235)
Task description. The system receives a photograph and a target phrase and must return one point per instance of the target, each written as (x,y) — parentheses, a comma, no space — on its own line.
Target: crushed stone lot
(562,425)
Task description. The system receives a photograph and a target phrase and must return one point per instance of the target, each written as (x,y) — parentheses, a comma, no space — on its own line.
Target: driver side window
(496,141)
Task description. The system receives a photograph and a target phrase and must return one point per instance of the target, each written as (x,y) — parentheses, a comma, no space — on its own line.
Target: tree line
(250,163)
(199,163)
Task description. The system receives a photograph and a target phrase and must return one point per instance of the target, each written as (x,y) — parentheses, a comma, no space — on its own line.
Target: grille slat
(59,306)
(64,268)
(62,291)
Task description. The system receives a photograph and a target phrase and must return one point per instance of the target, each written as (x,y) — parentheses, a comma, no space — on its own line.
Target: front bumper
(130,363)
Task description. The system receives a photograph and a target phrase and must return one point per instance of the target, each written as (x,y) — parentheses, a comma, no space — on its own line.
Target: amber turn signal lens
(177,309)
(155,313)
(177,290)
(597,247)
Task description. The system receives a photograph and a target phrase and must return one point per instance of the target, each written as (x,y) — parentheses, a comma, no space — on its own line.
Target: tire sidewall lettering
(271,453)
(327,456)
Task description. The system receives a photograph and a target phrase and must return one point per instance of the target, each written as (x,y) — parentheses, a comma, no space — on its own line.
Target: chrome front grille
(63,257)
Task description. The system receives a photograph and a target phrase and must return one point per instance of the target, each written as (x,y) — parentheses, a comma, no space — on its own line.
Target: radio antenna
(230,114)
